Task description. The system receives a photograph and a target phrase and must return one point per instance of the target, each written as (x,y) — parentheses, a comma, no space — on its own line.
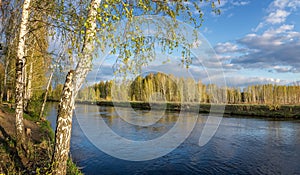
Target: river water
(241,145)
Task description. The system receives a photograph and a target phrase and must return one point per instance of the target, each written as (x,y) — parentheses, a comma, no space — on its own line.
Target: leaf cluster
(70,20)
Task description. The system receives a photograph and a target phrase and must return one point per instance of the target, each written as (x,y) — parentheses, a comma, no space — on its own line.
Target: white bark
(24,84)
(4,92)
(20,61)
(65,111)
(46,96)
(85,63)
(63,128)
(8,95)
(28,88)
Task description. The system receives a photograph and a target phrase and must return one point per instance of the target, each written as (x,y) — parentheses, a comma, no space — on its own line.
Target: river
(241,145)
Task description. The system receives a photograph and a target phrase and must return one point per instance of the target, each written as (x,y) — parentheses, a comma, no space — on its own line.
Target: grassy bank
(273,111)
(270,111)
(37,158)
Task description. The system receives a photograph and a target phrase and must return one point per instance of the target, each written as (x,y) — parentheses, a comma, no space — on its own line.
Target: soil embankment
(37,142)
(270,111)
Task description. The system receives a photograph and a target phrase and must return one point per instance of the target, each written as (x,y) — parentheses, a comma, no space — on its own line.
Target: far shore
(257,110)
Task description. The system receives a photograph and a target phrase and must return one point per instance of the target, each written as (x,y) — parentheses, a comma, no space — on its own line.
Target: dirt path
(10,162)
(7,122)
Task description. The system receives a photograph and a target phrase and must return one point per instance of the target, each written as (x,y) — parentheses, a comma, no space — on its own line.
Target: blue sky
(257,42)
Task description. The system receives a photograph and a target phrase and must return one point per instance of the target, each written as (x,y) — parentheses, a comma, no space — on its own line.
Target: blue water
(240,146)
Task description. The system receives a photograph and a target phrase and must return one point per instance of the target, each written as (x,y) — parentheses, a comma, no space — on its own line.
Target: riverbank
(257,110)
(39,143)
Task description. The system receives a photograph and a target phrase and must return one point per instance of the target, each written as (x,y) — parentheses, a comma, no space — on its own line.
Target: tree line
(173,89)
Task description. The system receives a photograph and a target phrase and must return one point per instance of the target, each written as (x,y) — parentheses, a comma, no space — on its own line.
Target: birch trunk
(46,96)
(65,111)
(47,91)
(4,92)
(85,63)
(28,88)
(63,128)
(20,61)
(29,85)
(24,73)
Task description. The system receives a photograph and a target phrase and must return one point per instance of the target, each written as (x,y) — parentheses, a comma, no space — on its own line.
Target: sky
(256,41)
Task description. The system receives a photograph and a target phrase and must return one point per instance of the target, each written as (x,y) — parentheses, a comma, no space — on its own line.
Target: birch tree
(73,83)
(8,35)
(20,62)
(99,19)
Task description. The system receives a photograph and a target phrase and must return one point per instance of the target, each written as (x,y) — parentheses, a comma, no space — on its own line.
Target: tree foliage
(175,89)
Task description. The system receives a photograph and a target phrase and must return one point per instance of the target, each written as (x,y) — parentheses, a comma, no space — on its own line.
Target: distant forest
(173,89)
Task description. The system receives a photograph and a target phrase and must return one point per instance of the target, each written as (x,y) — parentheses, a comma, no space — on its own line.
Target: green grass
(258,110)
(12,166)
(72,169)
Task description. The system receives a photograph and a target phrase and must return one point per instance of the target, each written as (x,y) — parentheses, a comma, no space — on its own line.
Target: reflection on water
(240,146)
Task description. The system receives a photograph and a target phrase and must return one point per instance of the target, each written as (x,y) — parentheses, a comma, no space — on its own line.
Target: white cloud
(187,3)
(233,80)
(240,3)
(277,17)
(278,12)
(227,5)
(259,26)
(271,37)
(207,30)
(284,28)
(222,3)
(223,58)
(279,46)
(276,49)
(243,81)
(226,48)
(230,15)
(280,4)
(283,69)
(294,4)
(196,43)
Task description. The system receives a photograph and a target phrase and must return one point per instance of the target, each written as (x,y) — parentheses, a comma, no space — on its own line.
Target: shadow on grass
(9,146)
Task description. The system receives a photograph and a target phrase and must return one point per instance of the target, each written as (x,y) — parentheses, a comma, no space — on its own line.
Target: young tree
(9,18)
